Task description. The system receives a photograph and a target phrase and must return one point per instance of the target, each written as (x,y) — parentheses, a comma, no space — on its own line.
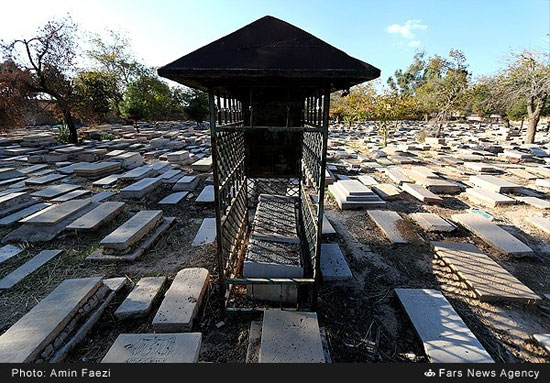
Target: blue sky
(385,33)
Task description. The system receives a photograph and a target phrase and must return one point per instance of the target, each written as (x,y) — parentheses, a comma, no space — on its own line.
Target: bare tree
(528,77)
(50,60)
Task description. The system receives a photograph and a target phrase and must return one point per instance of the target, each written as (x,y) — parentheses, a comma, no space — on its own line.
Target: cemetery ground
(361,318)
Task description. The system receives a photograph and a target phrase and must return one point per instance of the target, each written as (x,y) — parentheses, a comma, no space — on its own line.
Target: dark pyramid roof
(268,51)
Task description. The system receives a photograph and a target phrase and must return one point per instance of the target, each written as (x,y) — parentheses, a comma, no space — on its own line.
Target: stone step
(493,183)
(140,300)
(110,256)
(23,341)
(133,230)
(432,222)
(140,188)
(9,251)
(488,280)
(492,234)
(445,336)
(334,266)
(182,301)
(155,348)
(421,193)
(291,337)
(387,222)
(27,268)
(206,195)
(97,217)
(206,233)
(488,197)
(57,213)
(344,203)
(540,223)
(173,198)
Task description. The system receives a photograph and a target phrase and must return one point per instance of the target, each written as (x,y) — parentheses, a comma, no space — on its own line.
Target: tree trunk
(521,126)
(534,110)
(67,116)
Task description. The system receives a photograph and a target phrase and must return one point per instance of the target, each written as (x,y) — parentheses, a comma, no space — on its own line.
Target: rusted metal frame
(216,192)
(233,171)
(236,127)
(269,281)
(321,194)
(219,108)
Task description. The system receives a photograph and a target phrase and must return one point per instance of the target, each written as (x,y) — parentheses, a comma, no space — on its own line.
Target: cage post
(320,205)
(217,201)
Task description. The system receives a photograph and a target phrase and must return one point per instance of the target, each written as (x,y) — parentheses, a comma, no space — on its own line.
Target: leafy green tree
(195,103)
(114,57)
(528,77)
(147,98)
(489,96)
(408,81)
(94,89)
(444,91)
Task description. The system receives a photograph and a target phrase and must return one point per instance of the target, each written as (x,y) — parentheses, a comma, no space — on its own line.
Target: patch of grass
(63,135)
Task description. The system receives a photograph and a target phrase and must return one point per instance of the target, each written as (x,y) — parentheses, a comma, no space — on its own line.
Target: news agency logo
(429,373)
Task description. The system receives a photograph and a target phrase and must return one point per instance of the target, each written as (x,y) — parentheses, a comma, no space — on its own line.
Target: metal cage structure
(269,86)
(236,192)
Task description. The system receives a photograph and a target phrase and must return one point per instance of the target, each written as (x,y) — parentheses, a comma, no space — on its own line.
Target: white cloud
(406,30)
(414,43)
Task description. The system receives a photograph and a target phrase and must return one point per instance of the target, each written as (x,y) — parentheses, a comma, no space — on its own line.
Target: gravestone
(182,301)
(206,233)
(488,280)
(493,234)
(28,268)
(155,348)
(24,340)
(445,336)
(387,223)
(140,300)
(291,337)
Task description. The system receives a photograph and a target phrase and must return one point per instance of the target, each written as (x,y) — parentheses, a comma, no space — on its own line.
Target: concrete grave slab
(488,280)
(291,337)
(23,341)
(387,223)
(445,336)
(97,217)
(140,300)
(206,233)
(492,234)
(28,268)
(182,301)
(334,266)
(155,348)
